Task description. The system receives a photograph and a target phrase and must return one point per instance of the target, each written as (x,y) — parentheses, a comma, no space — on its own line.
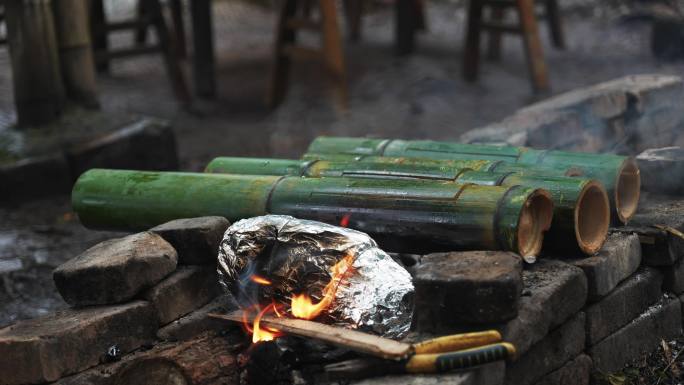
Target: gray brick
(661,321)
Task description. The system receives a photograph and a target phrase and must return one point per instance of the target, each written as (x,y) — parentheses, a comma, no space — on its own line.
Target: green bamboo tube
(619,174)
(581,208)
(400,214)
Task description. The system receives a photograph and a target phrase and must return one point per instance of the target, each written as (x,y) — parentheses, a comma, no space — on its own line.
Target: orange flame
(259,332)
(260,280)
(303,307)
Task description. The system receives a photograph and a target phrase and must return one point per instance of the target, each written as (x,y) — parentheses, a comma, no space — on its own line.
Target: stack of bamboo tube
(411,196)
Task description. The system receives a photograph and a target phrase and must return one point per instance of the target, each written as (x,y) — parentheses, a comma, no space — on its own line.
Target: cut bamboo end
(627,190)
(592,217)
(535,219)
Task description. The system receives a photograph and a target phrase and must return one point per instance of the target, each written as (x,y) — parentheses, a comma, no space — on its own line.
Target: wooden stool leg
(555,24)
(179,27)
(333,52)
(142,14)
(405,26)
(421,18)
(471,54)
(494,47)
(532,44)
(168,46)
(98,22)
(353,11)
(280,68)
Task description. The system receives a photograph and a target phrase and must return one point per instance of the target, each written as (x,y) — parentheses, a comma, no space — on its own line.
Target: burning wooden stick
(581,206)
(440,354)
(619,174)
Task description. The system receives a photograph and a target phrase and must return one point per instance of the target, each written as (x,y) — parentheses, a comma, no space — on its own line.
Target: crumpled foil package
(296,256)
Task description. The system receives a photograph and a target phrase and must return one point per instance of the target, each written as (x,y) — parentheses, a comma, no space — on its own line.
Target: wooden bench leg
(280,67)
(555,24)
(405,26)
(532,44)
(179,27)
(353,12)
(168,47)
(333,52)
(142,13)
(494,37)
(100,43)
(421,18)
(471,54)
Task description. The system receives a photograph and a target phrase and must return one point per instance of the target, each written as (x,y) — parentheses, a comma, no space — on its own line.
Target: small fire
(260,280)
(303,307)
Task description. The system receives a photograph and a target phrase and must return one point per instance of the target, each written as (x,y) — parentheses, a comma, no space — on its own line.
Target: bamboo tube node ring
(592,217)
(627,191)
(535,219)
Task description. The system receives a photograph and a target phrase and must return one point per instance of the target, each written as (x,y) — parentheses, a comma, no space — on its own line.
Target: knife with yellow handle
(462,359)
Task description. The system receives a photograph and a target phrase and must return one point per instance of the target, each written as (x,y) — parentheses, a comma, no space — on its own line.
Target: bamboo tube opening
(535,219)
(592,217)
(627,190)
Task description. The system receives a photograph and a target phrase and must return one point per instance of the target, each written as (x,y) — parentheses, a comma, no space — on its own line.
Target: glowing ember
(344,222)
(259,280)
(303,307)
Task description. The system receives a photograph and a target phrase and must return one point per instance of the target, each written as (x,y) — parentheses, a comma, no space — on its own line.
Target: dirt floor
(419,96)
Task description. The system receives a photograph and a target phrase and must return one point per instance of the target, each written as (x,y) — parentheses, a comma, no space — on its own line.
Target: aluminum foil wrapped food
(296,256)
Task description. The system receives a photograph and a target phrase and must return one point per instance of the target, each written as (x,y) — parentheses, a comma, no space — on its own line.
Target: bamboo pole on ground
(581,207)
(402,215)
(618,174)
(38,89)
(75,51)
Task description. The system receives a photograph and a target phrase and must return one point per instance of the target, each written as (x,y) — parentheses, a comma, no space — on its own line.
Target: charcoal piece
(266,365)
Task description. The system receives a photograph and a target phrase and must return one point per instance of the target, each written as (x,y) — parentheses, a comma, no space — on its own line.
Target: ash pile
(569,269)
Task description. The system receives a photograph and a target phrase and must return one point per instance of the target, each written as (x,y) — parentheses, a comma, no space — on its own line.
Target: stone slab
(646,109)
(206,359)
(147,144)
(674,278)
(491,374)
(116,270)
(659,247)
(560,346)
(660,321)
(199,322)
(667,37)
(574,372)
(619,258)
(553,292)
(195,239)
(186,289)
(47,348)
(631,298)
(33,178)
(525,128)
(666,214)
(473,287)
(662,170)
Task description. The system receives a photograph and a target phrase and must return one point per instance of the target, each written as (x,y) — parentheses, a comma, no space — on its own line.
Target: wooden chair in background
(3,36)
(296,15)
(526,27)
(150,15)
